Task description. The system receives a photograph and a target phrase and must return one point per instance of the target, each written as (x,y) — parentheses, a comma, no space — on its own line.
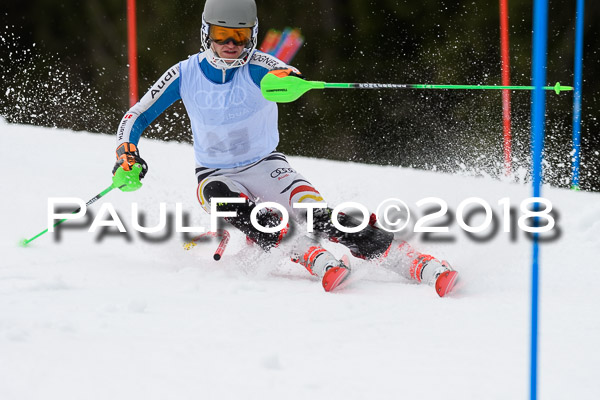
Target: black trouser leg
(242,221)
(369,243)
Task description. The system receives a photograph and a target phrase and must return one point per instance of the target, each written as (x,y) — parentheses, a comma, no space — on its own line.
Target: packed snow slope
(117,318)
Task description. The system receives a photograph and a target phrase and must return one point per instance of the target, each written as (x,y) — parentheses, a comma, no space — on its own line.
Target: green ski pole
(290,88)
(127,181)
(25,242)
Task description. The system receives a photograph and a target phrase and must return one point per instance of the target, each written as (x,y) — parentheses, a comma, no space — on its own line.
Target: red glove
(127,155)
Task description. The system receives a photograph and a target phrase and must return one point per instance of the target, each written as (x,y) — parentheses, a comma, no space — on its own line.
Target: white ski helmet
(229,14)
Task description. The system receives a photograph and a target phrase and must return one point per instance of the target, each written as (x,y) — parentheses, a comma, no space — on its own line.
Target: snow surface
(112,319)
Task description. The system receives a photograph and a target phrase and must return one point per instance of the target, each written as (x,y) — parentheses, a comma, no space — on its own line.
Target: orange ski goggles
(222,35)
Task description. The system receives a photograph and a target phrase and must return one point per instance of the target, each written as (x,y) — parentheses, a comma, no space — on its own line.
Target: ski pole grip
(128,181)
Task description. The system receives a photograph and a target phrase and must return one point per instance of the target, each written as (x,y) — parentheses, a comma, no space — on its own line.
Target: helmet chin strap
(227,63)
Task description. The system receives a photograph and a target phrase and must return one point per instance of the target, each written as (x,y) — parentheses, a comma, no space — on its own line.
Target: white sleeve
(160,96)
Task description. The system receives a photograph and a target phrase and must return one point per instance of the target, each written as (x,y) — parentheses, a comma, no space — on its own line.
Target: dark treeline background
(64,64)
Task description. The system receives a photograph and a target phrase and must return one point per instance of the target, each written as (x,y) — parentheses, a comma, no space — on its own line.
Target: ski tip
(189,245)
(334,277)
(446,282)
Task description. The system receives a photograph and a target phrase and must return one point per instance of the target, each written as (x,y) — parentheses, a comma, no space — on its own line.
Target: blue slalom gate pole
(577,94)
(538,108)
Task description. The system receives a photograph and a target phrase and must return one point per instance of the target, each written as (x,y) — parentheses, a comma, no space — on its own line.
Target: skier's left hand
(283,72)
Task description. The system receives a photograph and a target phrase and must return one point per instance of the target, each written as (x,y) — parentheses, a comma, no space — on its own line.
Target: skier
(235,136)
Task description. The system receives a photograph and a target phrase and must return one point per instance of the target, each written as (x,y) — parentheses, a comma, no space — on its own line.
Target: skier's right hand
(128,155)
(283,72)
